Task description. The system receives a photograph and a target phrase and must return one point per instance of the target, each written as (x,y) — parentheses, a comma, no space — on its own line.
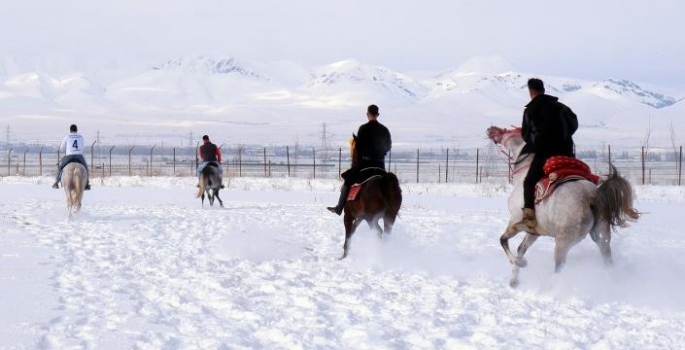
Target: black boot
(55,185)
(338,209)
(87,186)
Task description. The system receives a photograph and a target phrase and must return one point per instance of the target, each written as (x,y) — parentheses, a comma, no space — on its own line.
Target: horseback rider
(372,143)
(547,134)
(72,145)
(209,153)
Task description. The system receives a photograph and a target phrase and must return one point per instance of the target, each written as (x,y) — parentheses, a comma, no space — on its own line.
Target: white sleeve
(63,146)
(82,143)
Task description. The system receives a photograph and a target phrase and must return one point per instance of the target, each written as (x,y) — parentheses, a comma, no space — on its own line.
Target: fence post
(92,147)
(439,172)
(227,162)
(197,160)
(40,160)
(23,172)
(340,162)
(149,166)
(680,166)
(389,159)
(9,162)
(643,164)
(173,160)
(287,157)
(447,164)
(417,165)
(477,162)
(314,160)
(110,160)
(129,159)
(264,161)
(609,146)
(240,161)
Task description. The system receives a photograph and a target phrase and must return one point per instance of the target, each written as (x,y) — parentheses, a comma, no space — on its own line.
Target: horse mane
(353,150)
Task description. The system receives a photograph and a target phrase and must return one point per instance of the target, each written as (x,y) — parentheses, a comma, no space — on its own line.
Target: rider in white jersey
(72,146)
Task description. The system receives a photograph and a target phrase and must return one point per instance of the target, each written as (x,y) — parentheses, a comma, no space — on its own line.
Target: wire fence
(641,165)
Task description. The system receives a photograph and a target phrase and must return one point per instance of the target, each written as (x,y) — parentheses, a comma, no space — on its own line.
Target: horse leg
(210,196)
(601,234)
(513,260)
(221,203)
(350,226)
(377,227)
(523,248)
(203,199)
(388,222)
(520,260)
(510,232)
(561,248)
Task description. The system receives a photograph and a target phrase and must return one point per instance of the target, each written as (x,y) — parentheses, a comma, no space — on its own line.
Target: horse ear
(354,136)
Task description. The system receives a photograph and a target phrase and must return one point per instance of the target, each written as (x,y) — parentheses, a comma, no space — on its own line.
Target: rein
(501,137)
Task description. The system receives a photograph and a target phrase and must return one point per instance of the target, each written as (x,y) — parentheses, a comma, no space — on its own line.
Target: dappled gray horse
(210,183)
(569,213)
(74,177)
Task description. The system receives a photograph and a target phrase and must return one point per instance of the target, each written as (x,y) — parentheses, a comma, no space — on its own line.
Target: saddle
(364,176)
(560,169)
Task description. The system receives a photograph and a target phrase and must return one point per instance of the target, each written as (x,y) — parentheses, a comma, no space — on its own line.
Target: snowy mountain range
(253,102)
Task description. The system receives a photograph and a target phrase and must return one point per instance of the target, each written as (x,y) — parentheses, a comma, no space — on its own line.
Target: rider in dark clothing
(544,132)
(210,154)
(372,143)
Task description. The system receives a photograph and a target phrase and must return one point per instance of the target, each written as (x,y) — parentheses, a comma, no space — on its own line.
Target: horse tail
(202,185)
(392,193)
(613,203)
(77,194)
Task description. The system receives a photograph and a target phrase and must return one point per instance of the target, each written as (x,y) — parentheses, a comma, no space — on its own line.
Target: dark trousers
(535,173)
(68,159)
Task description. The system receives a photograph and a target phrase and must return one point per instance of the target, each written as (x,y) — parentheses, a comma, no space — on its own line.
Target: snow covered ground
(145,267)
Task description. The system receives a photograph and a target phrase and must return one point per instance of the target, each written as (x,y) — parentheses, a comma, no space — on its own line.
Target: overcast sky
(637,40)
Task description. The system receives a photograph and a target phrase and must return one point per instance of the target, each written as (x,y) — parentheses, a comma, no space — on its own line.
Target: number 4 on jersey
(75,144)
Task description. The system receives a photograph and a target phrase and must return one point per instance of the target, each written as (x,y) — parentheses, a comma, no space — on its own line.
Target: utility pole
(324,141)
(7,135)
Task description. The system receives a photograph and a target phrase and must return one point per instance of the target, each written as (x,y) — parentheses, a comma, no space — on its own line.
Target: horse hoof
(514,283)
(521,262)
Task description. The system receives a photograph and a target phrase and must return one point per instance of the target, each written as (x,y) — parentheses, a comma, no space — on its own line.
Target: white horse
(210,183)
(74,178)
(569,213)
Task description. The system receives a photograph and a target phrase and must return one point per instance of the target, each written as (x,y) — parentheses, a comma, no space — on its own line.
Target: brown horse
(380,197)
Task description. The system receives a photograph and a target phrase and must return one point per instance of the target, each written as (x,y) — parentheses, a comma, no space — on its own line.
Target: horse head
(508,138)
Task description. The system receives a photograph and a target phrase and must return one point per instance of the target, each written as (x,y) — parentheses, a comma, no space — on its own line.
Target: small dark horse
(210,182)
(381,197)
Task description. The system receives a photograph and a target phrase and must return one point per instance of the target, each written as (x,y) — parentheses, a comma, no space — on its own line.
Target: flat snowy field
(145,267)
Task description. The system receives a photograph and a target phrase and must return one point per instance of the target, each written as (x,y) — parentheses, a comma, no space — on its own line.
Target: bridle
(501,137)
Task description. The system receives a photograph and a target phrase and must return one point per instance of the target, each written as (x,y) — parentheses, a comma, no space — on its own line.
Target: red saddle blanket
(560,169)
(354,189)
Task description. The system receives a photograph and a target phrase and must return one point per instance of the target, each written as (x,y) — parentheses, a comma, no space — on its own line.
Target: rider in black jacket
(545,134)
(372,143)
